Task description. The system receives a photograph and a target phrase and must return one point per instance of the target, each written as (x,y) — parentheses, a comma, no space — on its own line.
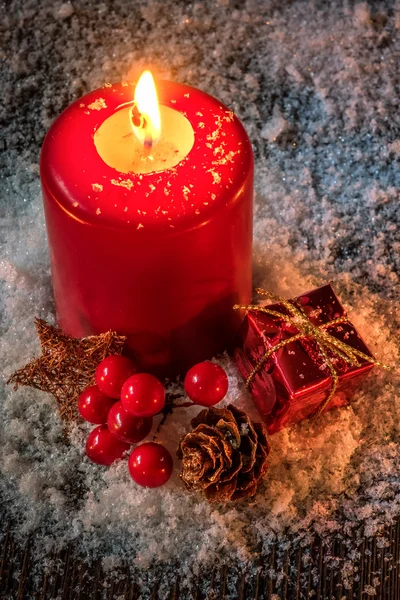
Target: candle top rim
(187,195)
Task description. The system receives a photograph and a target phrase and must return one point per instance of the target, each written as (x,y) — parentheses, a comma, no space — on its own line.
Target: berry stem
(168,410)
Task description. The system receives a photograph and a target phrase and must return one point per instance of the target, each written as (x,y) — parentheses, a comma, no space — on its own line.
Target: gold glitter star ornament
(67,365)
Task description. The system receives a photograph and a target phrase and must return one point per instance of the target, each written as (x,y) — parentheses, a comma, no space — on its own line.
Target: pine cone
(225,455)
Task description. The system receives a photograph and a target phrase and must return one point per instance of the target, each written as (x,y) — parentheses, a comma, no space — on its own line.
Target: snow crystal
(277,125)
(319,99)
(63,11)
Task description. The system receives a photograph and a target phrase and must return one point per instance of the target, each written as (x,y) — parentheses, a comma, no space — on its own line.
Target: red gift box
(295,380)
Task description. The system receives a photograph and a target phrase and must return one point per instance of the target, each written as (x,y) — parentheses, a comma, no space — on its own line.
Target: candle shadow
(208,334)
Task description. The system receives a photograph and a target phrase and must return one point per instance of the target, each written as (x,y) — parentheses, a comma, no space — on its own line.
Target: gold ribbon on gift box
(318,333)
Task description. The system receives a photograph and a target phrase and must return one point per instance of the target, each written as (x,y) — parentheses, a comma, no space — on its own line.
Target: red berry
(93,405)
(111,374)
(150,465)
(143,395)
(126,427)
(104,448)
(206,383)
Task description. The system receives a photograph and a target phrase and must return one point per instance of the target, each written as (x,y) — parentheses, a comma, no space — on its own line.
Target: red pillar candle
(154,243)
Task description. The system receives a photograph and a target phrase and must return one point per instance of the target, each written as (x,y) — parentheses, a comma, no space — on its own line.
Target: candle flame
(145,112)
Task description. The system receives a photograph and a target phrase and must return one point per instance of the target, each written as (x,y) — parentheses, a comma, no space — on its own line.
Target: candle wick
(139,122)
(148,142)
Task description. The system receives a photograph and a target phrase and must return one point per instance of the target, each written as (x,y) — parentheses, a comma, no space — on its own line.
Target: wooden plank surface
(304,572)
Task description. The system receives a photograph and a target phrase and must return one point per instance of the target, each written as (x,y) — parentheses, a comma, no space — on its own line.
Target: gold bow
(324,340)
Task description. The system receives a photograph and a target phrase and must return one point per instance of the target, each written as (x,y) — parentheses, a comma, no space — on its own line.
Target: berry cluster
(123,403)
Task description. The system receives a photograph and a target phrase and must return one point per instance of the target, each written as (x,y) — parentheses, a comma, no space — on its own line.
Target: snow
(316,85)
